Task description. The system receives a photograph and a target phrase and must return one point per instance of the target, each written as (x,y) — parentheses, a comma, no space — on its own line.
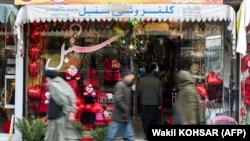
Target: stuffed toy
(89,91)
(72,73)
(43,104)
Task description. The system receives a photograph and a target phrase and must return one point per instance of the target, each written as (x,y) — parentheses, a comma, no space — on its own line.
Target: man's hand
(71,116)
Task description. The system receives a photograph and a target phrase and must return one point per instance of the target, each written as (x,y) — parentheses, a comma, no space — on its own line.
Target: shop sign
(27,2)
(90,11)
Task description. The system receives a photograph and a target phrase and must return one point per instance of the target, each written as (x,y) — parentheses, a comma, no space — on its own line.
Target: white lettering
(156,132)
(198,132)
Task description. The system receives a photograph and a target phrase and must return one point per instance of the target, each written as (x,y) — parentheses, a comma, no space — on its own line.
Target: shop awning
(6,11)
(243,20)
(123,12)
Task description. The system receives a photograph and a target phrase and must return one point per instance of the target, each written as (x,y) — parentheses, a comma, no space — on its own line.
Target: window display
(90,56)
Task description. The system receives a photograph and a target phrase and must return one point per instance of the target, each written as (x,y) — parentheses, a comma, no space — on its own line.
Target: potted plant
(99,133)
(79,127)
(31,131)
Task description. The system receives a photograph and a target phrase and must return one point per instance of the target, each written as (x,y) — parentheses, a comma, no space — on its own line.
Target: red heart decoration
(34,69)
(34,52)
(97,108)
(35,36)
(201,89)
(35,92)
(213,79)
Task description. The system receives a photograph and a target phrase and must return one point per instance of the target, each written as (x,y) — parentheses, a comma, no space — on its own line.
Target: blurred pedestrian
(61,109)
(150,91)
(121,125)
(188,109)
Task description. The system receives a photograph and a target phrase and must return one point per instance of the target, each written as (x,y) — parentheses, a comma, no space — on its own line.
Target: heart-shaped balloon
(213,79)
(34,68)
(35,36)
(201,89)
(34,52)
(34,92)
(97,108)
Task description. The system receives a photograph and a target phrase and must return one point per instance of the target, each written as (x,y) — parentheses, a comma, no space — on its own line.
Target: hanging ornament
(213,79)
(34,52)
(34,92)
(34,68)
(133,22)
(35,36)
(214,87)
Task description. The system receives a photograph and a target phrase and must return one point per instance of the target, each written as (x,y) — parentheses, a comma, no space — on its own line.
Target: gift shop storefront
(243,46)
(91,43)
(7,65)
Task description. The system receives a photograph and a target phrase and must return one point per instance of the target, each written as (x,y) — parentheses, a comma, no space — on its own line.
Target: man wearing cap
(61,109)
(121,125)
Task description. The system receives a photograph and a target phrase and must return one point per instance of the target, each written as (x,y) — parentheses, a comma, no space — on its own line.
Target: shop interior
(172,46)
(7,75)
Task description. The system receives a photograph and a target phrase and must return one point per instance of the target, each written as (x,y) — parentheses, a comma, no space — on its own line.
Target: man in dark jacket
(150,90)
(121,125)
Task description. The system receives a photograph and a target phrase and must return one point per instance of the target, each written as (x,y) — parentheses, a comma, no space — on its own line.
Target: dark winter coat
(122,102)
(150,90)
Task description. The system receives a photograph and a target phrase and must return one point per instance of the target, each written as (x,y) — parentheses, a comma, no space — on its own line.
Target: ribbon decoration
(79,49)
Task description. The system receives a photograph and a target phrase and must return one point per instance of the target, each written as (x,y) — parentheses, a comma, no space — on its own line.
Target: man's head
(128,76)
(51,73)
(150,68)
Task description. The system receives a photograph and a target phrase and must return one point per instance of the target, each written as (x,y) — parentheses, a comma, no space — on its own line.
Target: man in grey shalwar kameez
(60,110)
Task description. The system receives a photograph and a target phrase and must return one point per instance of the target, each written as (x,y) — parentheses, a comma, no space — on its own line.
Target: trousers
(120,129)
(149,115)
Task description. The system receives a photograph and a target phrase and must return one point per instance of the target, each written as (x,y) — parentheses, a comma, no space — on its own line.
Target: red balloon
(79,101)
(34,52)
(213,79)
(244,63)
(201,89)
(34,69)
(35,36)
(97,108)
(88,107)
(35,92)
(79,110)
